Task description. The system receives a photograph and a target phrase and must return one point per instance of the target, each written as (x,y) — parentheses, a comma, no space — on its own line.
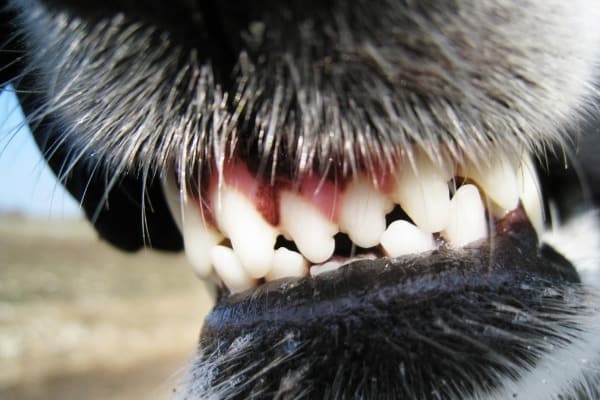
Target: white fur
(578,240)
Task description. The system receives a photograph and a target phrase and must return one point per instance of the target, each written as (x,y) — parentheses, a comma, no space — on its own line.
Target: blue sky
(27,185)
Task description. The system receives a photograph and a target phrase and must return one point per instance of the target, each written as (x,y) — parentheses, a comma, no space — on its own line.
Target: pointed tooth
(287,263)
(251,236)
(402,237)
(423,193)
(198,236)
(311,231)
(362,212)
(530,194)
(498,181)
(467,222)
(230,270)
(198,239)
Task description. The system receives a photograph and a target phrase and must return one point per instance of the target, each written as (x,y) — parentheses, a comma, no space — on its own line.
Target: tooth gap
(344,247)
(395,215)
(457,181)
(288,244)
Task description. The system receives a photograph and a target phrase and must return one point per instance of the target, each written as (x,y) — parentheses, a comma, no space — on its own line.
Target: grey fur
(473,76)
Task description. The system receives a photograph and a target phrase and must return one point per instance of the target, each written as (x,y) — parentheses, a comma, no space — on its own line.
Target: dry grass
(80,320)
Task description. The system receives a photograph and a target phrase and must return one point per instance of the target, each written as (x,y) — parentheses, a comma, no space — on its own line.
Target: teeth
(423,193)
(198,237)
(402,237)
(287,263)
(311,217)
(530,194)
(467,221)
(251,236)
(310,230)
(326,267)
(230,270)
(362,213)
(498,180)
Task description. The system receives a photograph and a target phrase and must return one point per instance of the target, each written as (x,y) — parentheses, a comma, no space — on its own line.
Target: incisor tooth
(467,221)
(198,237)
(402,238)
(362,212)
(497,179)
(311,231)
(530,194)
(251,236)
(423,193)
(287,263)
(230,270)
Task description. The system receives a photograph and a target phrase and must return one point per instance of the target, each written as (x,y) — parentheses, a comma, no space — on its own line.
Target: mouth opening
(242,229)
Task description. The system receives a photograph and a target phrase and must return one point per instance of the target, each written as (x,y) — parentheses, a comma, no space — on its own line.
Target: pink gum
(323,194)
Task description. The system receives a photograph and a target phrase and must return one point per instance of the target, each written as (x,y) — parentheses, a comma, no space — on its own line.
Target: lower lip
(509,258)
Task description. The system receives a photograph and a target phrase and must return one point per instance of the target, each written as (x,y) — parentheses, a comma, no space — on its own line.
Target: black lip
(448,315)
(509,259)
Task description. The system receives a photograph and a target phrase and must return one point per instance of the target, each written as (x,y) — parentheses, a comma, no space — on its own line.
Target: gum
(323,194)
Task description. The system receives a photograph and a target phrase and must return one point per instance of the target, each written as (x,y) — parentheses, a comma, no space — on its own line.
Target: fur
(130,91)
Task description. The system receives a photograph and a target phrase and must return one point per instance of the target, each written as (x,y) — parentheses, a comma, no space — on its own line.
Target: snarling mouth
(435,270)
(242,229)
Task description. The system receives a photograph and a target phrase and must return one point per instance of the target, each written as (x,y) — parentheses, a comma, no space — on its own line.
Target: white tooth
(402,237)
(230,270)
(530,194)
(198,237)
(423,193)
(251,236)
(172,195)
(467,222)
(325,267)
(362,212)
(287,263)
(337,263)
(497,179)
(311,231)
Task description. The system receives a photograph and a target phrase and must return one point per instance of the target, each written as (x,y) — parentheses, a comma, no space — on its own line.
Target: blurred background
(79,319)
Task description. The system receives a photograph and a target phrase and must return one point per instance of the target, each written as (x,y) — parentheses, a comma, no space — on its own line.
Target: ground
(79,319)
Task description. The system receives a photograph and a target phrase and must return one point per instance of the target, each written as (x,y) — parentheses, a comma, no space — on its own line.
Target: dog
(392,200)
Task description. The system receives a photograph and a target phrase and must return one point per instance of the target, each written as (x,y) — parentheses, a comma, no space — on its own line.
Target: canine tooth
(467,222)
(251,236)
(287,263)
(402,237)
(422,192)
(230,270)
(498,180)
(198,237)
(529,192)
(311,231)
(362,212)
